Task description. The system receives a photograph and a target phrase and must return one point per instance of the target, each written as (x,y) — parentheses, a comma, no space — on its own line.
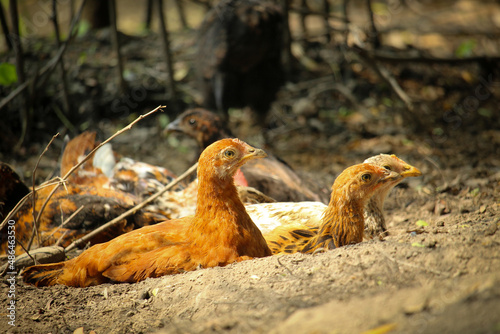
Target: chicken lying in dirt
(84,202)
(271,176)
(308,214)
(342,223)
(220,232)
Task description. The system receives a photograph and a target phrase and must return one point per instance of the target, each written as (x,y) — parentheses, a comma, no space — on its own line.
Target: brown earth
(440,278)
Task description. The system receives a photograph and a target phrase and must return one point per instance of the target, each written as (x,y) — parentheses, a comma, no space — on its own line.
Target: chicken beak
(253,153)
(172,127)
(410,171)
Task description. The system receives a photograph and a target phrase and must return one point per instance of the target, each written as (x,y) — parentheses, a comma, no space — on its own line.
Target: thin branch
(23,200)
(182,15)
(303,16)
(133,210)
(26,251)
(49,67)
(167,52)
(326,23)
(373,34)
(33,198)
(115,42)
(5,27)
(61,62)
(387,77)
(149,12)
(345,5)
(18,50)
(286,57)
(63,224)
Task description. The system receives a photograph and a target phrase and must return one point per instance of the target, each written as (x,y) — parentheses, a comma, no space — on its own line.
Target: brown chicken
(96,206)
(97,197)
(342,223)
(270,176)
(239,55)
(220,232)
(308,214)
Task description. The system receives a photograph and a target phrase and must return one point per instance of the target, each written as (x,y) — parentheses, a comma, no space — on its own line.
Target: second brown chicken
(220,232)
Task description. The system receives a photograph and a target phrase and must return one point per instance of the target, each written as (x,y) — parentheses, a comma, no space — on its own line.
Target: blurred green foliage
(8,75)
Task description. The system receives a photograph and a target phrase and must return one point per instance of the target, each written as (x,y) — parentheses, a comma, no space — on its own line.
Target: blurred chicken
(107,169)
(308,214)
(270,176)
(74,152)
(101,198)
(342,222)
(98,206)
(220,232)
(239,56)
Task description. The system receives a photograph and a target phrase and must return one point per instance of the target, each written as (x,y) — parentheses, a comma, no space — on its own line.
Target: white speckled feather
(269,216)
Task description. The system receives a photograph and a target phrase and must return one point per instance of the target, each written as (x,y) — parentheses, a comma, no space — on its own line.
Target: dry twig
(33,198)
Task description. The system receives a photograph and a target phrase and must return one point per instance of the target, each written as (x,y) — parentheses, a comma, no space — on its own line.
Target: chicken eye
(387,167)
(366,177)
(192,121)
(229,154)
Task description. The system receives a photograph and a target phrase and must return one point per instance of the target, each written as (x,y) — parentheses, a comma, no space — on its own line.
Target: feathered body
(100,190)
(12,189)
(95,206)
(107,169)
(220,232)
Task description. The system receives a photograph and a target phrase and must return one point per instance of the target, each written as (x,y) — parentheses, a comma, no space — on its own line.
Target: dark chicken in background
(239,56)
(271,176)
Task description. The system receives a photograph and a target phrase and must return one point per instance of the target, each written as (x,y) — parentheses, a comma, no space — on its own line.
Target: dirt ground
(438,270)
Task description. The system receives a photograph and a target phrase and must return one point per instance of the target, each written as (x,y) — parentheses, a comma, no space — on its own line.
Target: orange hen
(220,232)
(342,222)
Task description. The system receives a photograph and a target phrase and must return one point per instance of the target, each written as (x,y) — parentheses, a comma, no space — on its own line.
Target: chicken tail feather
(43,275)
